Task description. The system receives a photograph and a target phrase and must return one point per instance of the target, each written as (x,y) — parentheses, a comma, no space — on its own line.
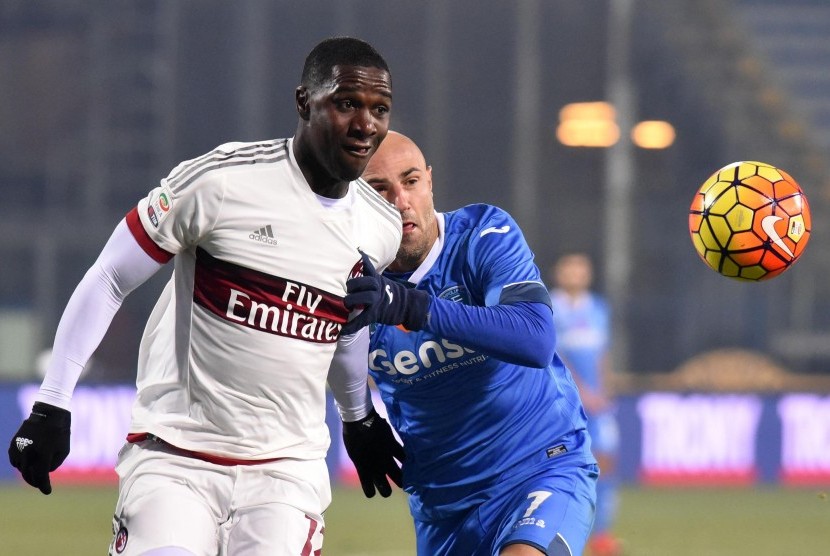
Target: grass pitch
(724,522)
(75,521)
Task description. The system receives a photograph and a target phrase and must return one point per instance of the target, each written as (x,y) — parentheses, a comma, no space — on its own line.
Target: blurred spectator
(582,322)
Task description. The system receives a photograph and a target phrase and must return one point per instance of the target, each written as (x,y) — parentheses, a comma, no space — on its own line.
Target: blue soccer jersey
(469,422)
(583,331)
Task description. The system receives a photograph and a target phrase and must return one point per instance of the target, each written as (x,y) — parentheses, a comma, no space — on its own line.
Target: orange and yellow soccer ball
(750,221)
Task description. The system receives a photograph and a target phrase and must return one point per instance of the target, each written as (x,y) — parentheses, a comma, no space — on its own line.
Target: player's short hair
(338,51)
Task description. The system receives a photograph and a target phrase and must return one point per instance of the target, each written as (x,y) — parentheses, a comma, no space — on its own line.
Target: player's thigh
(169,551)
(455,536)
(165,501)
(279,509)
(274,529)
(553,512)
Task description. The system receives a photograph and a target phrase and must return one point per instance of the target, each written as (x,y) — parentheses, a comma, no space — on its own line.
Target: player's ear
(429,178)
(302,97)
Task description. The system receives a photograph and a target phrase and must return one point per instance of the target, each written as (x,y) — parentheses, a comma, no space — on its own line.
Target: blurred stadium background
(539,106)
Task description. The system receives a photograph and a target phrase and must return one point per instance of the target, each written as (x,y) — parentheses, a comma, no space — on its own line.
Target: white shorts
(167,499)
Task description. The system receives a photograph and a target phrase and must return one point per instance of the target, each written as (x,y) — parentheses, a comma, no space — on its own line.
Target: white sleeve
(348,376)
(120,268)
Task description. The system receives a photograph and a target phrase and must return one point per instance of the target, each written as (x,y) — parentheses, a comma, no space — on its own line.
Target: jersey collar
(433,254)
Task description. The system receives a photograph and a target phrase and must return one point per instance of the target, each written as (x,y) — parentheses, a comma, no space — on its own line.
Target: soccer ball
(750,221)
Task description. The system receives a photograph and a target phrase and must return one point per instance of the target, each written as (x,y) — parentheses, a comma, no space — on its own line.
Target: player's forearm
(520,333)
(348,377)
(120,268)
(82,327)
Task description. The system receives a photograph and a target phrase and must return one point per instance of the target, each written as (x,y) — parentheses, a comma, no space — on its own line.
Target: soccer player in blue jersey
(582,322)
(461,346)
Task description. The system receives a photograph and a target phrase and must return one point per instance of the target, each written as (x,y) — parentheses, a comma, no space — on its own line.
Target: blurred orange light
(588,133)
(599,110)
(653,134)
(588,124)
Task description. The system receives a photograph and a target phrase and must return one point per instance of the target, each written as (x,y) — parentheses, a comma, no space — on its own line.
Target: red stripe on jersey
(136,437)
(267,303)
(144,240)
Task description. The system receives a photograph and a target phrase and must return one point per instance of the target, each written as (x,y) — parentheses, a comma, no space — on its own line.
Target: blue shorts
(553,511)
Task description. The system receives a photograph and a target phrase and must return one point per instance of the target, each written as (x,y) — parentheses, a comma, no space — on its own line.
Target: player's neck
(321,183)
(333,190)
(319,180)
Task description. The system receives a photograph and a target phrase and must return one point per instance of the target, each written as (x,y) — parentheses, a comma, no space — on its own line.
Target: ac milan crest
(121,540)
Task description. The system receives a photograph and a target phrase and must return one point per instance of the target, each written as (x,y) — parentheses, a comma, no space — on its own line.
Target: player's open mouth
(358,150)
(408,227)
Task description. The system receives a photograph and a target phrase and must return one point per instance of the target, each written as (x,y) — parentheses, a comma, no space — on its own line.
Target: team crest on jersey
(158,207)
(357,269)
(457,294)
(121,540)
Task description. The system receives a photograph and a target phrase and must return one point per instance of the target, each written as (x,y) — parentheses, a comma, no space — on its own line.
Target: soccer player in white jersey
(460,343)
(226,448)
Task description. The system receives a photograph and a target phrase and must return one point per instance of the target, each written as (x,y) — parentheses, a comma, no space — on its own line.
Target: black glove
(41,444)
(384,301)
(373,449)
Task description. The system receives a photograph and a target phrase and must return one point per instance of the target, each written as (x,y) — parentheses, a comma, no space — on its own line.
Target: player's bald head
(399,172)
(393,151)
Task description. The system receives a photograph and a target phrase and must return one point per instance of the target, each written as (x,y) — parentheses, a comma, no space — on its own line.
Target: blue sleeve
(499,260)
(520,333)
(509,316)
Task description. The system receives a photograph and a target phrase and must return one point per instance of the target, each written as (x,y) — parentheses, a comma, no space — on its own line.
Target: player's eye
(345,104)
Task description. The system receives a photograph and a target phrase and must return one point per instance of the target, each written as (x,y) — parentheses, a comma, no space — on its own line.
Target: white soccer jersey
(234,358)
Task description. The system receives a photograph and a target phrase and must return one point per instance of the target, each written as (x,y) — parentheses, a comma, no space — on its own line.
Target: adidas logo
(22,443)
(264,235)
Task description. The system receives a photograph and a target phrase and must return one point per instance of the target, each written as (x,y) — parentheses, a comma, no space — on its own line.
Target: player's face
(399,173)
(346,121)
(574,274)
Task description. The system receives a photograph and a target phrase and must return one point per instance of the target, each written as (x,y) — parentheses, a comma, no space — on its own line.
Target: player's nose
(401,200)
(363,123)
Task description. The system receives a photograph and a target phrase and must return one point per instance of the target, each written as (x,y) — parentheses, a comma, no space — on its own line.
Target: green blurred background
(75,521)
